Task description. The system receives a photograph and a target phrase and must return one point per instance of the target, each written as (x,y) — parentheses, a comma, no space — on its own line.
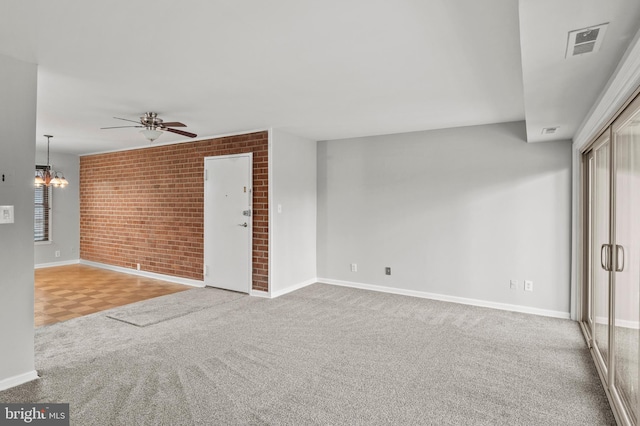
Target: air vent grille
(549,130)
(585,40)
(587,36)
(579,49)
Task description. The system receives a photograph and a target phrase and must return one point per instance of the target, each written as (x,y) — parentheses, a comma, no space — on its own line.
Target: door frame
(249,155)
(588,155)
(604,371)
(607,375)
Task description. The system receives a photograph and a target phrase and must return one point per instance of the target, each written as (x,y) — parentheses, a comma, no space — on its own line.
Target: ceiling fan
(154,126)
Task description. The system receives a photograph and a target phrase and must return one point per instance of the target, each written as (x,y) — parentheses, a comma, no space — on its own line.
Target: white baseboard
(52,264)
(446,298)
(274,294)
(634,325)
(294,287)
(169,278)
(18,380)
(260,293)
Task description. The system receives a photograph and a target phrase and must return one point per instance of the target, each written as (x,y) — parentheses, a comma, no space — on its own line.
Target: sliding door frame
(585,279)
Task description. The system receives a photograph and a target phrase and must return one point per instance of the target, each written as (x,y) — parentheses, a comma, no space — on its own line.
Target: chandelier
(47,176)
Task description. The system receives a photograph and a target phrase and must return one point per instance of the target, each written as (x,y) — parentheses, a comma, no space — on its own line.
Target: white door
(228,222)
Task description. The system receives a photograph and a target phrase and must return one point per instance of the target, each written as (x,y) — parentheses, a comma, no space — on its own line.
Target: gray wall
(65,225)
(456,212)
(293,254)
(18,82)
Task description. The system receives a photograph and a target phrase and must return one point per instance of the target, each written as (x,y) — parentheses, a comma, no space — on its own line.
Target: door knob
(244,225)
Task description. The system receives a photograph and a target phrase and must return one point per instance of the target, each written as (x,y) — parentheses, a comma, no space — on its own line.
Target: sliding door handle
(619,256)
(605,257)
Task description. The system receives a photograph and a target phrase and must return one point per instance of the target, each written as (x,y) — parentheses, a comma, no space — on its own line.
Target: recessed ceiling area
(321,70)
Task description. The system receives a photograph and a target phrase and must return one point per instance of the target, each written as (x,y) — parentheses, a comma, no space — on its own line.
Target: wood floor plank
(65,292)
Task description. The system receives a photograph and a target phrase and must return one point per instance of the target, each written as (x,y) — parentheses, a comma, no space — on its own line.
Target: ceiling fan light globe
(151,134)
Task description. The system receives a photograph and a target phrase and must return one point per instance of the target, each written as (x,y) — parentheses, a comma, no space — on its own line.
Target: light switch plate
(6,214)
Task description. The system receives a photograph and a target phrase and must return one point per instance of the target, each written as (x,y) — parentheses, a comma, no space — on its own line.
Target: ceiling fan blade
(173,124)
(179,132)
(126,119)
(118,127)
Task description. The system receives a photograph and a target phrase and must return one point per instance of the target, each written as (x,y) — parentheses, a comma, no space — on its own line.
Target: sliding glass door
(599,161)
(626,255)
(612,253)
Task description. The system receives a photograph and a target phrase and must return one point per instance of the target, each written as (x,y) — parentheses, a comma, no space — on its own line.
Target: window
(42,212)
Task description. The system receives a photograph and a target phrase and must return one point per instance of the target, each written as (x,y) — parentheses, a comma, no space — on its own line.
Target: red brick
(146,206)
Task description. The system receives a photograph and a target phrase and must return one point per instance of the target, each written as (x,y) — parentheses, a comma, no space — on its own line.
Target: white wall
(65,227)
(17,151)
(293,228)
(456,212)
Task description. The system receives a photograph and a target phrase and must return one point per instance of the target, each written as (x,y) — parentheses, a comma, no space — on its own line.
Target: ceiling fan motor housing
(151,121)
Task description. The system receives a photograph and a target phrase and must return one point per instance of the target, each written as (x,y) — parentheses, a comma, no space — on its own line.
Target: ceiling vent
(586,40)
(550,130)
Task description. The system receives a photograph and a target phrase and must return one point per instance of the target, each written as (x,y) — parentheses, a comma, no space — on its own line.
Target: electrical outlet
(513,284)
(387,270)
(57,253)
(528,285)
(138,266)
(354,267)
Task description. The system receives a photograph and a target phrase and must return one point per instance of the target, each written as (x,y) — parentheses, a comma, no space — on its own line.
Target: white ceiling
(319,69)
(558,91)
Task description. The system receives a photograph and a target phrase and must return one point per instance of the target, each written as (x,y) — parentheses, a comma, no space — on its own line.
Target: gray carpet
(320,355)
(159,309)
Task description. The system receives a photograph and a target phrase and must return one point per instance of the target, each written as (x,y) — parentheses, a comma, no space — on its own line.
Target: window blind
(41,211)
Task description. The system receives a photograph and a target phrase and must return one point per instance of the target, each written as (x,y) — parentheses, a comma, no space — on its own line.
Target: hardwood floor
(65,292)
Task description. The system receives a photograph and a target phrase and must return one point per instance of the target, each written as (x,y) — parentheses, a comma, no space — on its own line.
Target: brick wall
(146,206)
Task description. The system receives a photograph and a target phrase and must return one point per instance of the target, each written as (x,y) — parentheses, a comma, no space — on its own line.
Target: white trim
(259,293)
(169,278)
(414,293)
(20,379)
(53,264)
(203,138)
(294,287)
(446,298)
(623,82)
(634,325)
(269,206)
(575,293)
